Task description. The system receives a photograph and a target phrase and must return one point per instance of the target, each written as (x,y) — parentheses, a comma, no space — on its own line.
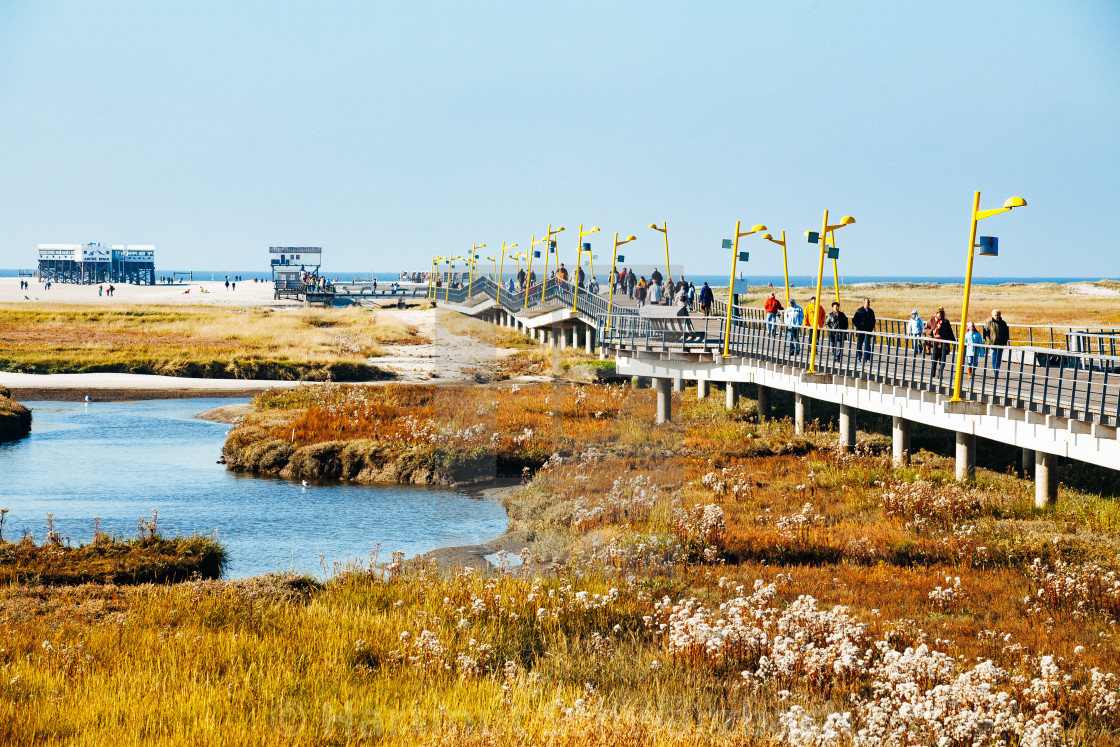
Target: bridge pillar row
(664,401)
(800,412)
(900,441)
(966,456)
(847,428)
(764,403)
(703,387)
(731,392)
(678,384)
(1045,479)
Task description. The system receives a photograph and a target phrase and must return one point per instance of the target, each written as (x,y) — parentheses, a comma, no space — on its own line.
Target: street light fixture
(847,220)
(473,262)
(665,230)
(447,291)
(734,247)
(495,261)
(533,241)
(579,255)
(785,263)
(432,277)
(977,216)
(549,249)
(502,265)
(614,273)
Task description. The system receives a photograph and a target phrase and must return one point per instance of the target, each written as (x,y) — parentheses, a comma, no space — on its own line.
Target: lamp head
(1015,202)
(653,225)
(558,230)
(757,228)
(767,236)
(512,245)
(631,238)
(594,230)
(847,220)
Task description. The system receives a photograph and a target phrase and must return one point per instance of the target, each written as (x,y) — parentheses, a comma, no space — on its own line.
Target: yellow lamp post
(516,257)
(432,278)
(579,256)
(549,249)
(473,262)
(533,241)
(665,230)
(833,253)
(495,261)
(614,274)
(447,290)
(502,265)
(734,246)
(785,263)
(977,216)
(847,220)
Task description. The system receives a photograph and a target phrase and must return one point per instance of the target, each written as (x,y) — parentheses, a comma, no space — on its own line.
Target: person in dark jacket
(998,335)
(864,321)
(941,331)
(706,298)
(836,322)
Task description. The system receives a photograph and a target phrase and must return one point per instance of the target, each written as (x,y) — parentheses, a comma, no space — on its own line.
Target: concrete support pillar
(1028,462)
(764,403)
(966,456)
(664,401)
(588,340)
(900,441)
(731,392)
(800,412)
(702,388)
(1045,479)
(678,384)
(634,382)
(847,428)
(563,338)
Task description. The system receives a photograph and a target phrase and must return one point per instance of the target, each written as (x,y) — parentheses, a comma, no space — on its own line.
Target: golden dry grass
(204,341)
(546,653)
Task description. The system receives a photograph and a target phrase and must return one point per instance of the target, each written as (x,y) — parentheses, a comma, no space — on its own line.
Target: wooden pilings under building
(93,263)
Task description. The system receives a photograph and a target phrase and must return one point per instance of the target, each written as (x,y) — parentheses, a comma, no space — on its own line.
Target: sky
(389,132)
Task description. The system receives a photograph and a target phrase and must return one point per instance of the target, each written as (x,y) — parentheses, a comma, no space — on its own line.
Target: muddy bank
(250,449)
(227,413)
(15,419)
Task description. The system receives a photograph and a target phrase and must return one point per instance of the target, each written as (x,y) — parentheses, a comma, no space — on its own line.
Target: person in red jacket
(772,307)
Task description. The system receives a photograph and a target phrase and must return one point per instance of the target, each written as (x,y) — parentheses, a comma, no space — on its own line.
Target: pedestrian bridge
(1055,392)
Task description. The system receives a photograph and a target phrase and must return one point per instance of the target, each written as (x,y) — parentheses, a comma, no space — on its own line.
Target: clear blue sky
(390,131)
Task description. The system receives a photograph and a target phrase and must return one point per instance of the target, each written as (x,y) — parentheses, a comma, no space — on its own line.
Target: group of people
(933,337)
(657,291)
(107,291)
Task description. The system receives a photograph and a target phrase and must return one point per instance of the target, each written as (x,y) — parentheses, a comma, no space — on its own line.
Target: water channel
(121,460)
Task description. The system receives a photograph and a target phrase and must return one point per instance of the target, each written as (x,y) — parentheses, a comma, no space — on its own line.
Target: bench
(672,323)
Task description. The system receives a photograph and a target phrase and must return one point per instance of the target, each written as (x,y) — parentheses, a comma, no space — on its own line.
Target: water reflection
(121,460)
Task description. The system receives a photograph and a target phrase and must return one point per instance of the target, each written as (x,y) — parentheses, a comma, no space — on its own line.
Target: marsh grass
(210,342)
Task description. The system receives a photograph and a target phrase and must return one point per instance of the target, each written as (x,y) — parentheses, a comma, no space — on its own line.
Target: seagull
(88,398)
(305,484)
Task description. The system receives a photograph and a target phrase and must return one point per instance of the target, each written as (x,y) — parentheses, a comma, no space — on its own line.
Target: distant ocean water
(801,281)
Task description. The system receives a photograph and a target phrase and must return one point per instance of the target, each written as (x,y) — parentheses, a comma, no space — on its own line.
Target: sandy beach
(213,293)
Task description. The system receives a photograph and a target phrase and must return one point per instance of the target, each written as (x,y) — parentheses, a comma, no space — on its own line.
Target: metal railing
(1081,386)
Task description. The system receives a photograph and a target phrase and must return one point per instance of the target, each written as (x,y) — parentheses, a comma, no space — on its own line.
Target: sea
(713,280)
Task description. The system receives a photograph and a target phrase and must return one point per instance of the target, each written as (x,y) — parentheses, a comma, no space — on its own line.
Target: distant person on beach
(997,334)
(915,329)
(941,331)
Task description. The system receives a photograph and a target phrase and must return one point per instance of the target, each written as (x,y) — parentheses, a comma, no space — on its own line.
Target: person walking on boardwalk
(793,317)
(653,294)
(836,322)
(915,329)
(656,276)
(632,281)
(864,321)
(562,273)
(706,299)
(943,338)
(814,314)
(639,294)
(974,347)
(997,334)
(772,307)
